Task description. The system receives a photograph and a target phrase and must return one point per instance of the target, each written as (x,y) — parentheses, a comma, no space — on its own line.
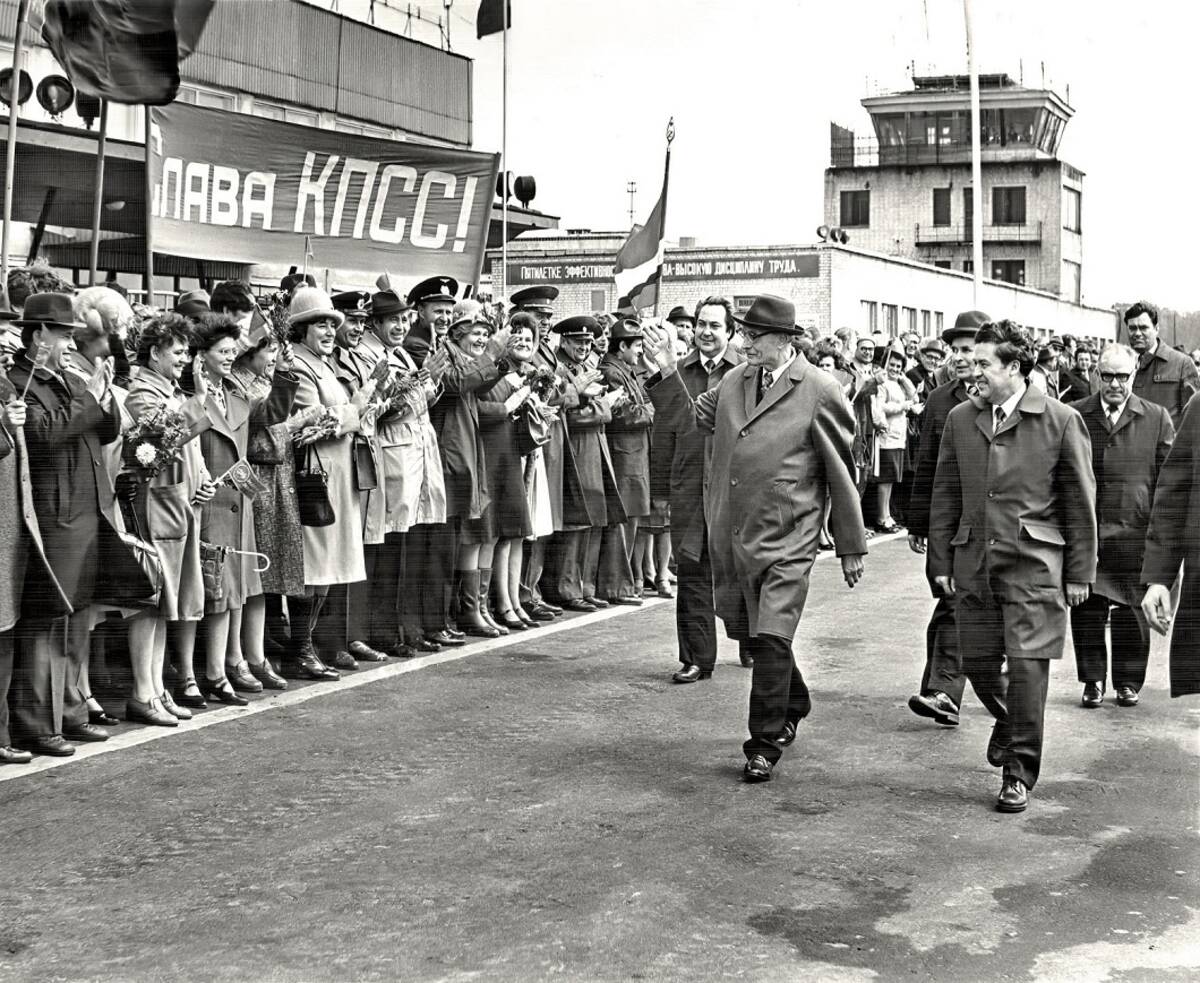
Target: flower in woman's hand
(146,455)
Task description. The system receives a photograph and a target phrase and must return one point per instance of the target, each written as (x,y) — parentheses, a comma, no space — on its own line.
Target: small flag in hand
(40,358)
(243,478)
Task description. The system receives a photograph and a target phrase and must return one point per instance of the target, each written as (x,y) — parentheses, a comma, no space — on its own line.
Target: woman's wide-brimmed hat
(771,314)
(312,304)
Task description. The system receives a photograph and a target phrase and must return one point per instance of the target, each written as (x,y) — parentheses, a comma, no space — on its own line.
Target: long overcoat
(590,494)
(20,537)
(628,434)
(333,554)
(166,516)
(772,461)
(455,418)
(1168,378)
(65,432)
(353,369)
(1013,518)
(556,453)
(414,485)
(1126,459)
(681,455)
(1173,537)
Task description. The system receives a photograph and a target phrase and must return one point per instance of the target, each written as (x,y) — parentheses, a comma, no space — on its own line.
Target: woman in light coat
(333,554)
(167,510)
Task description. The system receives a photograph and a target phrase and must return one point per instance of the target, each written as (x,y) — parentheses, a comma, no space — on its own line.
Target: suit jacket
(1074,387)
(933,421)
(1173,537)
(591,497)
(1013,517)
(681,457)
(628,435)
(1167,378)
(1126,459)
(772,461)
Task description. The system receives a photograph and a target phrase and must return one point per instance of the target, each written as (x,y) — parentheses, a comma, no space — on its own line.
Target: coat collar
(147,378)
(795,373)
(1032,402)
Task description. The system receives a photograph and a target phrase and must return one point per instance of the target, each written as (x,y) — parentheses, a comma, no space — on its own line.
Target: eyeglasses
(1110,377)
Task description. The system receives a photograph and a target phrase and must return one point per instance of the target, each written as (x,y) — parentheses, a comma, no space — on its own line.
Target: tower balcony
(962,234)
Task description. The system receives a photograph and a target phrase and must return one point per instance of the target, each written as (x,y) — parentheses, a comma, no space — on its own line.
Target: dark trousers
(533,562)
(566,561)
(429,568)
(589,563)
(1013,690)
(7,641)
(695,621)
(778,694)
(373,614)
(943,659)
(615,576)
(46,697)
(1130,646)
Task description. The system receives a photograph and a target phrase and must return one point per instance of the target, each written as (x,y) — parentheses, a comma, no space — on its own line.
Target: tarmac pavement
(554,808)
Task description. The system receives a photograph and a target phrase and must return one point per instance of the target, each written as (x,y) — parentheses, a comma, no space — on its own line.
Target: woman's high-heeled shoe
(173,708)
(151,712)
(511,622)
(189,695)
(97,714)
(222,692)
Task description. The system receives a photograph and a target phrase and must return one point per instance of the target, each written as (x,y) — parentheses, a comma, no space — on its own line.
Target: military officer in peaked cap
(433,300)
(593,501)
(538,301)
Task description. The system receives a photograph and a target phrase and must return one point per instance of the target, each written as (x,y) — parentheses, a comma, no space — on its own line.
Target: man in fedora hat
(943,681)
(193,302)
(433,300)
(781,437)
(69,419)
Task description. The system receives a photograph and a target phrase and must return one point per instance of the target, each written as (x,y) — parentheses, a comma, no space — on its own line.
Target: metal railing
(959,233)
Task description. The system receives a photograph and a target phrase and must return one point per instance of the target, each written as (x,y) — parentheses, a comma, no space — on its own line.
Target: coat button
(744,433)
(991,494)
(991,542)
(737,530)
(733,481)
(234,508)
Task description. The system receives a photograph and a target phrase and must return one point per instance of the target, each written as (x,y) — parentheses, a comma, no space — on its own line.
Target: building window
(910,320)
(968,209)
(210,98)
(968,266)
(599,301)
(1072,281)
(941,206)
(890,320)
(1009,271)
(742,304)
(1072,210)
(938,320)
(870,316)
(1008,206)
(925,319)
(943,264)
(856,209)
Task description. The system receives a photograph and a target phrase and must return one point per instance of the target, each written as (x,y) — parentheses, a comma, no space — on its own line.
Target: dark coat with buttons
(772,461)
(933,421)
(1172,538)
(628,435)
(1167,378)
(1013,517)
(1126,459)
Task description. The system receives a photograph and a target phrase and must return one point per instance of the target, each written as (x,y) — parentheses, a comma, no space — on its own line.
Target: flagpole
(504,151)
(10,163)
(149,193)
(976,159)
(98,196)
(662,215)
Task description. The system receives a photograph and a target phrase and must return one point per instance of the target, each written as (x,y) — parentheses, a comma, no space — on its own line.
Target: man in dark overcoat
(782,434)
(1164,376)
(1130,440)
(69,419)
(628,436)
(943,681)
(1173,538)
(679,471)
(1012,535)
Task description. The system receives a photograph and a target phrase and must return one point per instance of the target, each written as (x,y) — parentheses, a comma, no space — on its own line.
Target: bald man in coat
(781,434)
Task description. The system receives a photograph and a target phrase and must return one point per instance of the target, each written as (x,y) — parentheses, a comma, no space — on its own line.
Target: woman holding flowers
(171,482)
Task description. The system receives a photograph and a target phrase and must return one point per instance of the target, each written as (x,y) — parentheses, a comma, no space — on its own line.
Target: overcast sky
(754,84)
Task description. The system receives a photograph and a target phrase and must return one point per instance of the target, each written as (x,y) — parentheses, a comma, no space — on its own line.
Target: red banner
(250,190)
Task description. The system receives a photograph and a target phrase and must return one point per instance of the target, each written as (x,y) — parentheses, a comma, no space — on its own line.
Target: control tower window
(856,209)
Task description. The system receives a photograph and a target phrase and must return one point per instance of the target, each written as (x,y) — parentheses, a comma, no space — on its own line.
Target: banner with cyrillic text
(249,190)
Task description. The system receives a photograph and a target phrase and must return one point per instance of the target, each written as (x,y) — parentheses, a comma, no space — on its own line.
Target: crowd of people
(262,489)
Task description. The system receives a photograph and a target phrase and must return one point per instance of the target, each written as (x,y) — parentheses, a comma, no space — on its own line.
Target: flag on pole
(638,268)
(490,19)
(121,51)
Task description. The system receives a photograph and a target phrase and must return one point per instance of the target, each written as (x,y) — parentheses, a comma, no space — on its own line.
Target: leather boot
(469,619)
(485,600)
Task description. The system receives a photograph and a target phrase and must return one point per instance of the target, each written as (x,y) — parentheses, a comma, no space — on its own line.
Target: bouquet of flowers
(543,381)
(395,394)
(155,442)
(325,427)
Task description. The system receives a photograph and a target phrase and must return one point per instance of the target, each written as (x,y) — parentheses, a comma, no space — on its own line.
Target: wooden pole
(149,192)
(10,164)
(39,230)
(976,159)
(98,194)
(504,152)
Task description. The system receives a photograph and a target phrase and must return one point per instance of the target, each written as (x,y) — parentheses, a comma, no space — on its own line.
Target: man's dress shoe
(54,746)
(444,638)
(936,705)
(86,734)
(580,605)
(788,735)
(997,747)
(596,602)
(542,613)
(14,756)
(552,608)
(1093,695)
(364,653)
(758,769)
(691,674)
(746,659)
(1127,696)
(1014,796)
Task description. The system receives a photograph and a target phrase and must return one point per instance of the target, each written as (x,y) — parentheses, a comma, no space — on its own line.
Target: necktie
(1114,415)
(998,417)
(709,366)
(764,383)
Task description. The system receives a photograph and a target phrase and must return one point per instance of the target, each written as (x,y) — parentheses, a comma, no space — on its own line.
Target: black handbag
(365,476)
(312,491)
